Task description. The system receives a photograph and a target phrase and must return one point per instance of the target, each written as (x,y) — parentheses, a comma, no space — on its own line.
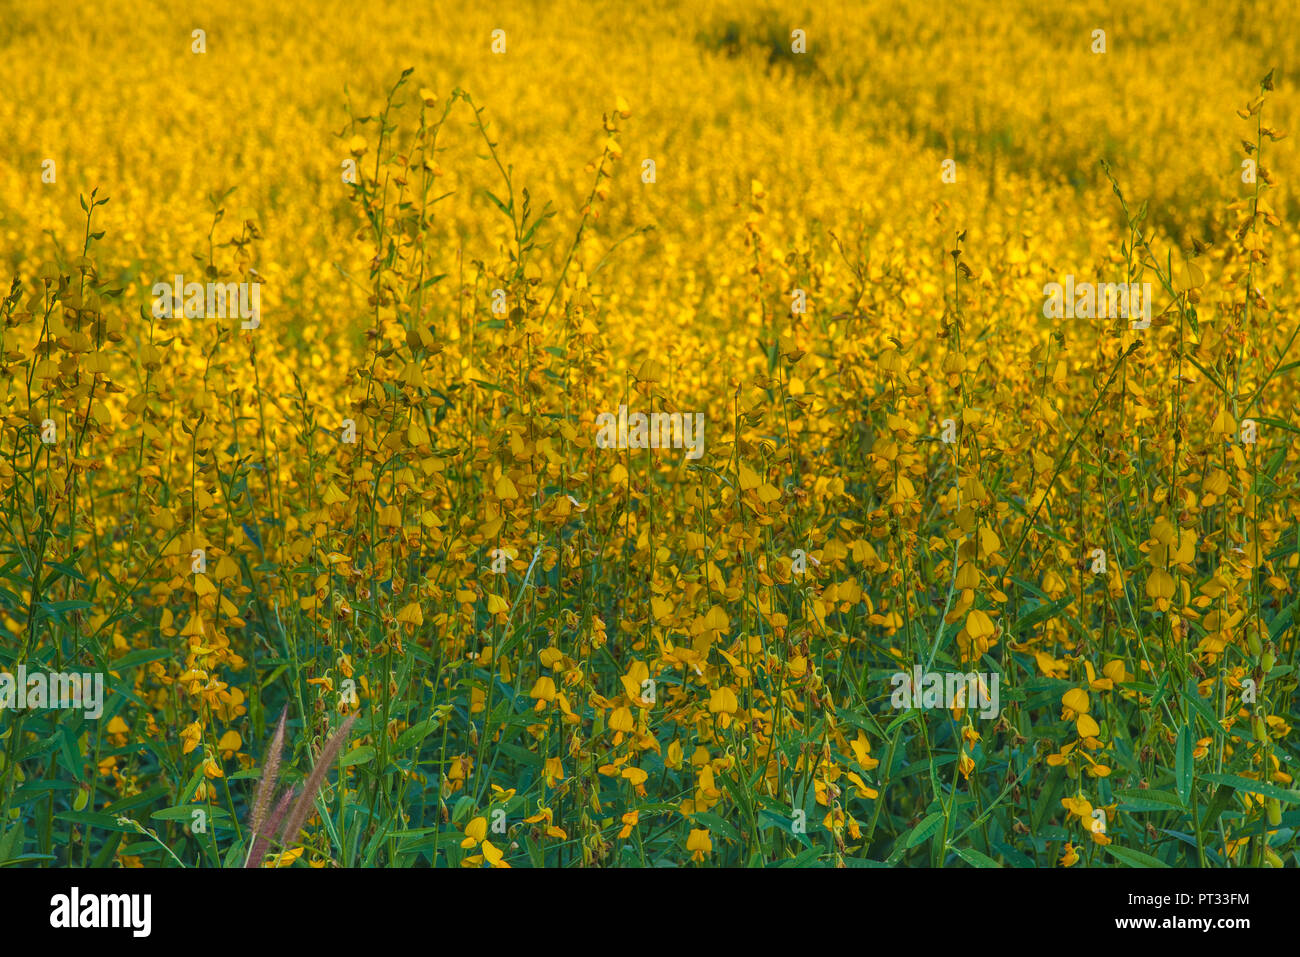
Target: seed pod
(1260,728)
(1252,641)
(1267,661)
(1274,812)
(1271,859)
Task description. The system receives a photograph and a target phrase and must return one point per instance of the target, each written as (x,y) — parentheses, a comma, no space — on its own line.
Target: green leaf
(191,787)
(12,839)
(1136,799)
(1042,611)
(1291,796)
(924,829)
(768,819)
(808,802)
(362,755)
(106,822)
(416,734)
(1126,855)
(808,858)
(106,853)
(1222,798)
(717,825)
(68,753)
(975,858)
(1203,709)
(535,854)
(1280,623)
(185,812)
(462,810)
(64,569)
(900,720)
(500,205)
(1277,423)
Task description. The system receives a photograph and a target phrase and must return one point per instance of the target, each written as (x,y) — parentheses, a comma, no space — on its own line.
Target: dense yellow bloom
(858,428)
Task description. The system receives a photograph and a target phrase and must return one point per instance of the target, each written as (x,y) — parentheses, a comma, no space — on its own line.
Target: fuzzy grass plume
(286,818)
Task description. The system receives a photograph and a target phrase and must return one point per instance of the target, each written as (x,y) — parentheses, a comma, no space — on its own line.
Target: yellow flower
(229,744)
(636,777)
(1086,726)
(860,788)
(621,720)
(285,859)
(543,691)
(674,757)
(554,771)
(862,751)
(475,832)
(493,855)
(333,495)
(1075,702)
(1160,587)
(965,764)
(505,489)
(723,701)
(1114,670)
(118,731)
(699,844)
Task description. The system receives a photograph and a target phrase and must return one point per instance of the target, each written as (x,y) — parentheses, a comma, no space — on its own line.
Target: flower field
(701,435)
